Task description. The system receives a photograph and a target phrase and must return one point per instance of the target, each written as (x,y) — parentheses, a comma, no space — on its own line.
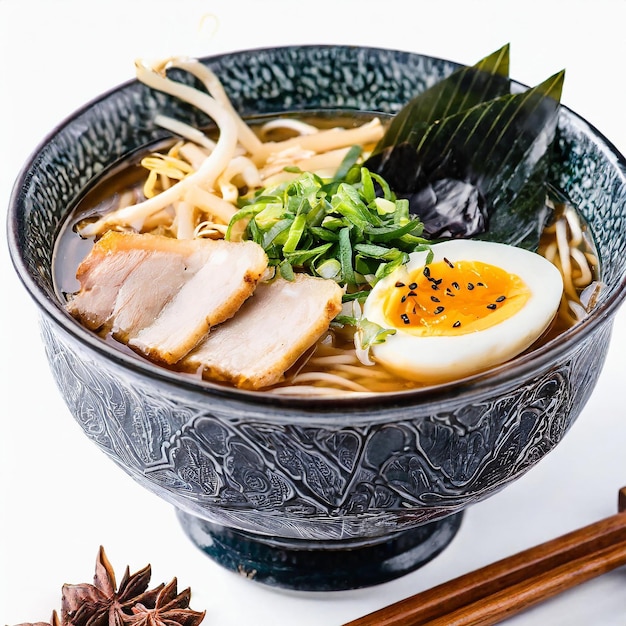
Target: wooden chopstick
(501,589)
(508,602)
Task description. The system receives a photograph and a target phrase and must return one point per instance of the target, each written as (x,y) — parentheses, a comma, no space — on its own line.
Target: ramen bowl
(312,493)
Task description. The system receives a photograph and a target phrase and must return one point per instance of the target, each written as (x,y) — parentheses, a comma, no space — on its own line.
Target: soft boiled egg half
(474,306)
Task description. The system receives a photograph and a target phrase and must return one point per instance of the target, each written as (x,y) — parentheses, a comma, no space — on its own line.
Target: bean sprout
(203,178)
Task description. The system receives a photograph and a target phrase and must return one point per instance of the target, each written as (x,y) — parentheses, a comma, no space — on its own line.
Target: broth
(332,366)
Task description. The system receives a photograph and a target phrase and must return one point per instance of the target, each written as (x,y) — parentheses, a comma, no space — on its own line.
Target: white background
(61,498)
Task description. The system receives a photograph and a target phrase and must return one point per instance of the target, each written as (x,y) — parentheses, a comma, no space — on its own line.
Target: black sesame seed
(492,306)
(500,298)
(437,281)
(481,284)
(403,299)
(427,271)
(456,285)
(448,262)
(470,286)
(413,286)
(435,299)
(448,292)
(412,294)
(399,284)
(456,324)
(434,287)
(439,309)
(405,318)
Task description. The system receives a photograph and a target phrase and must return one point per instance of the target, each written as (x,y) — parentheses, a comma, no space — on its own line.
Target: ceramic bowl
(312,494)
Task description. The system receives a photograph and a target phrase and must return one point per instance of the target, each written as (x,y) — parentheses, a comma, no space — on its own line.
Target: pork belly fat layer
(213,294)
(101,277)
(270,332)
(162,295)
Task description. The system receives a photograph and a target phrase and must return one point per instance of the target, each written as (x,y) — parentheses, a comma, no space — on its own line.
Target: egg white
(442,358)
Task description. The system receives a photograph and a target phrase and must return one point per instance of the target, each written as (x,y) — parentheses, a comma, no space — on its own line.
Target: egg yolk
(445,298)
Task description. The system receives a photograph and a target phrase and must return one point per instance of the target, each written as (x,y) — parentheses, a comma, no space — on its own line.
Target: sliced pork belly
(272,329)
(162,295)
(101,278)
(114,277)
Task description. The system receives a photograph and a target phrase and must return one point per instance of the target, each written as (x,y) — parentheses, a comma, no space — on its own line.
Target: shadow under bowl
(317,493)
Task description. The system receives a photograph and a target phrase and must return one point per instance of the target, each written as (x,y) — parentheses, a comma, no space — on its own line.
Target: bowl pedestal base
(305,565)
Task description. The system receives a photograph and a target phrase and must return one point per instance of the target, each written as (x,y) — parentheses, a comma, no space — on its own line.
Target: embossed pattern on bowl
(314,470)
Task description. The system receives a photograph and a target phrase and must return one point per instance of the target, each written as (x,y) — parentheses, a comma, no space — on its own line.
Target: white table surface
(61,498)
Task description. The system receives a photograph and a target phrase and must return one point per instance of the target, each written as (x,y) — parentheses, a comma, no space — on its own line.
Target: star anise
(170,609)
(132,604)
(103,604)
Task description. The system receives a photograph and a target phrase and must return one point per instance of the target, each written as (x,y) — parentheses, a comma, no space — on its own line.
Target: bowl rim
(483,382)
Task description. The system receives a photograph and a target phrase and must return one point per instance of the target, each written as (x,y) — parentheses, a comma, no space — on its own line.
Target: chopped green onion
(330,268)
(286,270)
(345,256)
(340,228)
(384,206)
(295,233)
(348,161)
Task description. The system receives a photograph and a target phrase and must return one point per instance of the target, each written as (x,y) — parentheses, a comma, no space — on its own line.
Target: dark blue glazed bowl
(316,493)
